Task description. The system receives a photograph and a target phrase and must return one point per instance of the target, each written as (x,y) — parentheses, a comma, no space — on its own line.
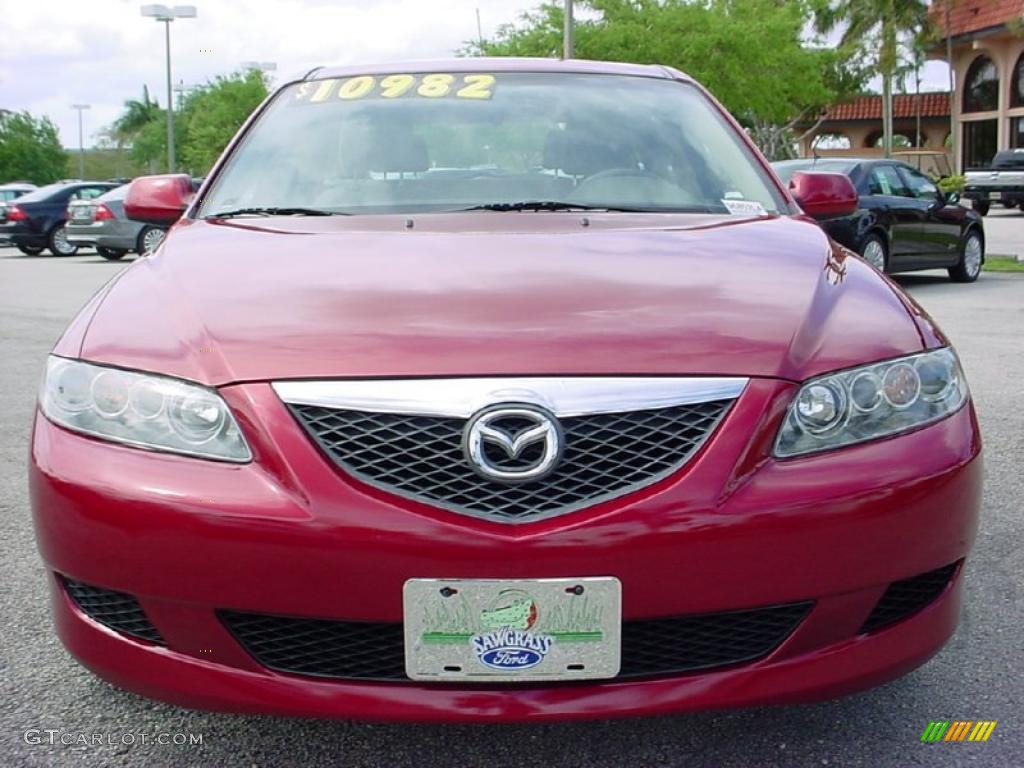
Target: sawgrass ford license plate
(508,631)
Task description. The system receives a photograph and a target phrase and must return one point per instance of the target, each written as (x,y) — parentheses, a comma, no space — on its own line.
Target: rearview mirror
(159,200)
(824,195)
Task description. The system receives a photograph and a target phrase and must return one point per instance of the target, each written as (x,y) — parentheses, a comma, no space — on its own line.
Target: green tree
(750,53)
(873,32)
(136,116)
(138,130)
(149,144)
(30,149)
(212,114)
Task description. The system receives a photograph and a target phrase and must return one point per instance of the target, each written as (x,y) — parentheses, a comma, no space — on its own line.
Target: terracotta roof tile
(967,16)
(904,105)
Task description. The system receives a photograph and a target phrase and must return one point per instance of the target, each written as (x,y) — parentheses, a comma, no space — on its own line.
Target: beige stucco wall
(1004,50)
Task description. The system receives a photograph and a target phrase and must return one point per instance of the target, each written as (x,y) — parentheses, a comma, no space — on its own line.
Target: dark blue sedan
(904,221)
(36,221)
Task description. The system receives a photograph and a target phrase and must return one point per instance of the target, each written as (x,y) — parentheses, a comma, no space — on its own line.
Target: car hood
(493,294)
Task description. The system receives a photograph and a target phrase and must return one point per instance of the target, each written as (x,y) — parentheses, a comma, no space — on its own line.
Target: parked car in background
(15,189)
(1002,182)
(35,221)
(11,191)
(101,222)
(904,221)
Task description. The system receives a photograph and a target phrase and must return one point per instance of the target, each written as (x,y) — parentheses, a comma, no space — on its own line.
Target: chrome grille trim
(462,397)
(377,432)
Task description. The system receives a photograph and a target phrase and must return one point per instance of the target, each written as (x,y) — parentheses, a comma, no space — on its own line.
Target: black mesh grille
(347,649)
(903,598)
(121,612)
(650,648)
(664,646)
(421,457)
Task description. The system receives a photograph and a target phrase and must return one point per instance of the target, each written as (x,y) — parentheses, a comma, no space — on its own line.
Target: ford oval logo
(511,658)
(509,648)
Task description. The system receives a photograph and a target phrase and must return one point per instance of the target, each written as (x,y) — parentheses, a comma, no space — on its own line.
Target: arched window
(981,86)
(900,140)
(1017,84)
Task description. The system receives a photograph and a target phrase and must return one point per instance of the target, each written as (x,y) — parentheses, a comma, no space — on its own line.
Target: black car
(36,220)
(904,221)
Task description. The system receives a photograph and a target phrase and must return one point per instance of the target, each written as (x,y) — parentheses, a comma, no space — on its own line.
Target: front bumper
(288,535)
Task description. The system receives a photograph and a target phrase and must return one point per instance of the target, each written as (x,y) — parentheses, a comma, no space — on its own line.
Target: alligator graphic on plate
(521,614)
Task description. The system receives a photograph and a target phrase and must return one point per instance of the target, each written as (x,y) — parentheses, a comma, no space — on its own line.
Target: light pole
(81,146)
(567,34)
(167,14)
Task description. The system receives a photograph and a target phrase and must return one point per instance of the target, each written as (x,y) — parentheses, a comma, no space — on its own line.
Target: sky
(55,53)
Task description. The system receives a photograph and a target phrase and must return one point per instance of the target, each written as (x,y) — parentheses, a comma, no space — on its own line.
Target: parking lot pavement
(1004,231)
(978,676)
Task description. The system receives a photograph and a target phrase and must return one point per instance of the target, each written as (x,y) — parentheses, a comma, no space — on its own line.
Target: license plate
(994,195)
(512,630)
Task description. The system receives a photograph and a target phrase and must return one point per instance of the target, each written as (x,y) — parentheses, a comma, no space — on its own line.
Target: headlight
(140,409)
(871,402)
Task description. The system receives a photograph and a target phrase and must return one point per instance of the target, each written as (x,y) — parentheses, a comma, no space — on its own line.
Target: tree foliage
(212,115)
(138,113)
(203,125)
(750,53)
(30,149)
(875,32)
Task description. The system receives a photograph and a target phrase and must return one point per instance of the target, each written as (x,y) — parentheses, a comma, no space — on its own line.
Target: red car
(501,390)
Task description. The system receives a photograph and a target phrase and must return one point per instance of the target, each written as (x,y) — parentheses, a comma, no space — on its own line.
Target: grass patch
(999,263)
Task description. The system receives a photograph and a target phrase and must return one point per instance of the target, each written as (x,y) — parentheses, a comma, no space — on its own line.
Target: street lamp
(81,146)
(167,14)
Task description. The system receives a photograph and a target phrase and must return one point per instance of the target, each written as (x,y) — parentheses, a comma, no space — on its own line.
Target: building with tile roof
(987,38)
(859,124)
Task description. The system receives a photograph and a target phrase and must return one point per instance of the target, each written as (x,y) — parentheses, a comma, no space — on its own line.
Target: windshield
(445,142)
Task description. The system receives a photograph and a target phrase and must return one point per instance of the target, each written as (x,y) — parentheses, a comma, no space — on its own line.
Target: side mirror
(824,195)
(952,198)
(159,200)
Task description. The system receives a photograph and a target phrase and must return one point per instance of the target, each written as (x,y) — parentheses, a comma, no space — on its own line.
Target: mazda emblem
(513,443)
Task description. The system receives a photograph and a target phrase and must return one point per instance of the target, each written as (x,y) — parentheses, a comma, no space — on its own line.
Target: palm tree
(874,28)
(136,115)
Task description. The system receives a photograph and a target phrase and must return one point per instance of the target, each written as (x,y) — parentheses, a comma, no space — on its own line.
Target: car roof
(43,193)
(500,64)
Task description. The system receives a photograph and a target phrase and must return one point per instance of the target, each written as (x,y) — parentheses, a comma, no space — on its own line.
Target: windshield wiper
(273,212)
(546,205)
(560,205)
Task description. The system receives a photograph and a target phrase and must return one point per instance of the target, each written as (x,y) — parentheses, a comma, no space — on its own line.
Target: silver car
(14,190)
(101,222)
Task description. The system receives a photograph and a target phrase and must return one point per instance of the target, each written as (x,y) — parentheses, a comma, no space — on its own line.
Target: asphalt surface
(977,676)
(1004,231)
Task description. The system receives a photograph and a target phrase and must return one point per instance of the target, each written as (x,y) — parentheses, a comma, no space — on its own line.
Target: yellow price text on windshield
(433,85)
